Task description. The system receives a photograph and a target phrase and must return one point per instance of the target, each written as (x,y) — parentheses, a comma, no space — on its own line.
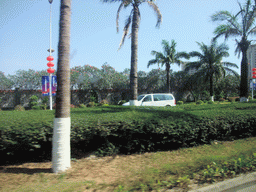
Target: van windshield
(140,97)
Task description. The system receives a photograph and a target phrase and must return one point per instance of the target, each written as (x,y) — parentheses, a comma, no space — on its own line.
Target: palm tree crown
(209,64)
(240,25)
(168,57)
(134,20)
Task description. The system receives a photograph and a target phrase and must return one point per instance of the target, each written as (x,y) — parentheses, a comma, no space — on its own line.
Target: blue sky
(24,32)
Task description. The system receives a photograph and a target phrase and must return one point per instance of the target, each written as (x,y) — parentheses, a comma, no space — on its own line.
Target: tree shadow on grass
(28,171)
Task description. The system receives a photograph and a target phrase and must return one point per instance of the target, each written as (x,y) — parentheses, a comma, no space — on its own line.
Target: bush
(103,102)
(19,108)
(33,101)
(45,103)
(222,100)
(238,99)
(179,102)
(82,106)
(210,102)
(72,106)
(122,102)
(91,104)
(163,129)
(232,99)
(199,102)
(37,107)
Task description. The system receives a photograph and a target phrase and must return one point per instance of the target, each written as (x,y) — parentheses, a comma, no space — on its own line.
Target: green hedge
(126,130)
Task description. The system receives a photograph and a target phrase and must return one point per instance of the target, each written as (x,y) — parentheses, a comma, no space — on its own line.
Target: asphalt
(243,183)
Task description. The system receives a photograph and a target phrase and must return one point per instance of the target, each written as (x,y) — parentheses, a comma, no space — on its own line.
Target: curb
(231,185)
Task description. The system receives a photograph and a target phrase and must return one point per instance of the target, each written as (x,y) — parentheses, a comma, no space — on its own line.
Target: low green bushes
(126,130)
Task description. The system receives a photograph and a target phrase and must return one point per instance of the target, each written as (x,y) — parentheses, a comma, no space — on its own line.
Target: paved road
(244,183)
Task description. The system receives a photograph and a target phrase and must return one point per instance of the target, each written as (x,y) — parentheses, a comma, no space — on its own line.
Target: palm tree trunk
(211,87)
(244,84)
(61,132)
(134,55)
(168,77)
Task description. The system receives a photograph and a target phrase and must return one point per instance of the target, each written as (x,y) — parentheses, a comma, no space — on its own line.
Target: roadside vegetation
(131,148)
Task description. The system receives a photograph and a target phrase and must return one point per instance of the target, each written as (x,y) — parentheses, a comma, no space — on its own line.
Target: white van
(155,99)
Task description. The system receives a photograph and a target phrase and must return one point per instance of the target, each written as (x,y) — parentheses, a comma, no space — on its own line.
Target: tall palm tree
(210,65)
(61,133)
(240,25)
(134,20)
(168,57)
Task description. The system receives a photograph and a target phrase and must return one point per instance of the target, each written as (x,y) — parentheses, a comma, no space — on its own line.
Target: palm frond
(117,16)
(126,29)
(152,62)
(195,54)
(228,64)
(182,55)
(157,11)
(193,65)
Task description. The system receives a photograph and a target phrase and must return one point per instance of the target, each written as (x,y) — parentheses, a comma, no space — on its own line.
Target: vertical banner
(45,85)
(54,85)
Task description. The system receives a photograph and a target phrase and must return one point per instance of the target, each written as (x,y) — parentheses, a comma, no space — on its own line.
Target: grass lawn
(184,168)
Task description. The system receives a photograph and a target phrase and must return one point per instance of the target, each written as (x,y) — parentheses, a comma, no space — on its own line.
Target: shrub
(232,99)
(82,106)
(103,102)
(44,103)
(238,99)
(33,101)
(91,104)
(179,102)
(210,102)
(199,102)
(36,107)
(72,106)
(122,102)
(221,100)
(19,108)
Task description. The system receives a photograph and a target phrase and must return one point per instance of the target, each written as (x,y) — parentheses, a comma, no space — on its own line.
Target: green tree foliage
(209,65)
(240,25)
(5,82)
(27,80)
(168,57)
(133,20)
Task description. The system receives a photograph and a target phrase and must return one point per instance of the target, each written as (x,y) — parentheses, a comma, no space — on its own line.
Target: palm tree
(240,25)
(61,133)
(210,65)
(134,20)
(168,57)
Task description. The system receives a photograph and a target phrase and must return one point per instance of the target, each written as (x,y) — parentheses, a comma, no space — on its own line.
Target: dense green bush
(179,102)
(221,99)
(199,102)
(33,101)
(82,106)
(232,99)
(210,102)
(91,104)
(126,130)
(19,108)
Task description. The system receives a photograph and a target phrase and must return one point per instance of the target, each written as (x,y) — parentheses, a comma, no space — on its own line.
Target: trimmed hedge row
(126,137)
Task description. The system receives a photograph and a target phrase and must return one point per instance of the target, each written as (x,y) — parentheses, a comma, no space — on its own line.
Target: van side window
(168,97)
(147,98)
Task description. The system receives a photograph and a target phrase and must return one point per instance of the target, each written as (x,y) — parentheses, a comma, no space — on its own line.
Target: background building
(251,55)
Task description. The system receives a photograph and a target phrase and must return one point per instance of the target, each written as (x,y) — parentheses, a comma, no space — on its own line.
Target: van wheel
(168,106)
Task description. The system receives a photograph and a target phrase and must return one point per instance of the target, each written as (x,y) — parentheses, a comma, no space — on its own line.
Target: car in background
(155,99)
